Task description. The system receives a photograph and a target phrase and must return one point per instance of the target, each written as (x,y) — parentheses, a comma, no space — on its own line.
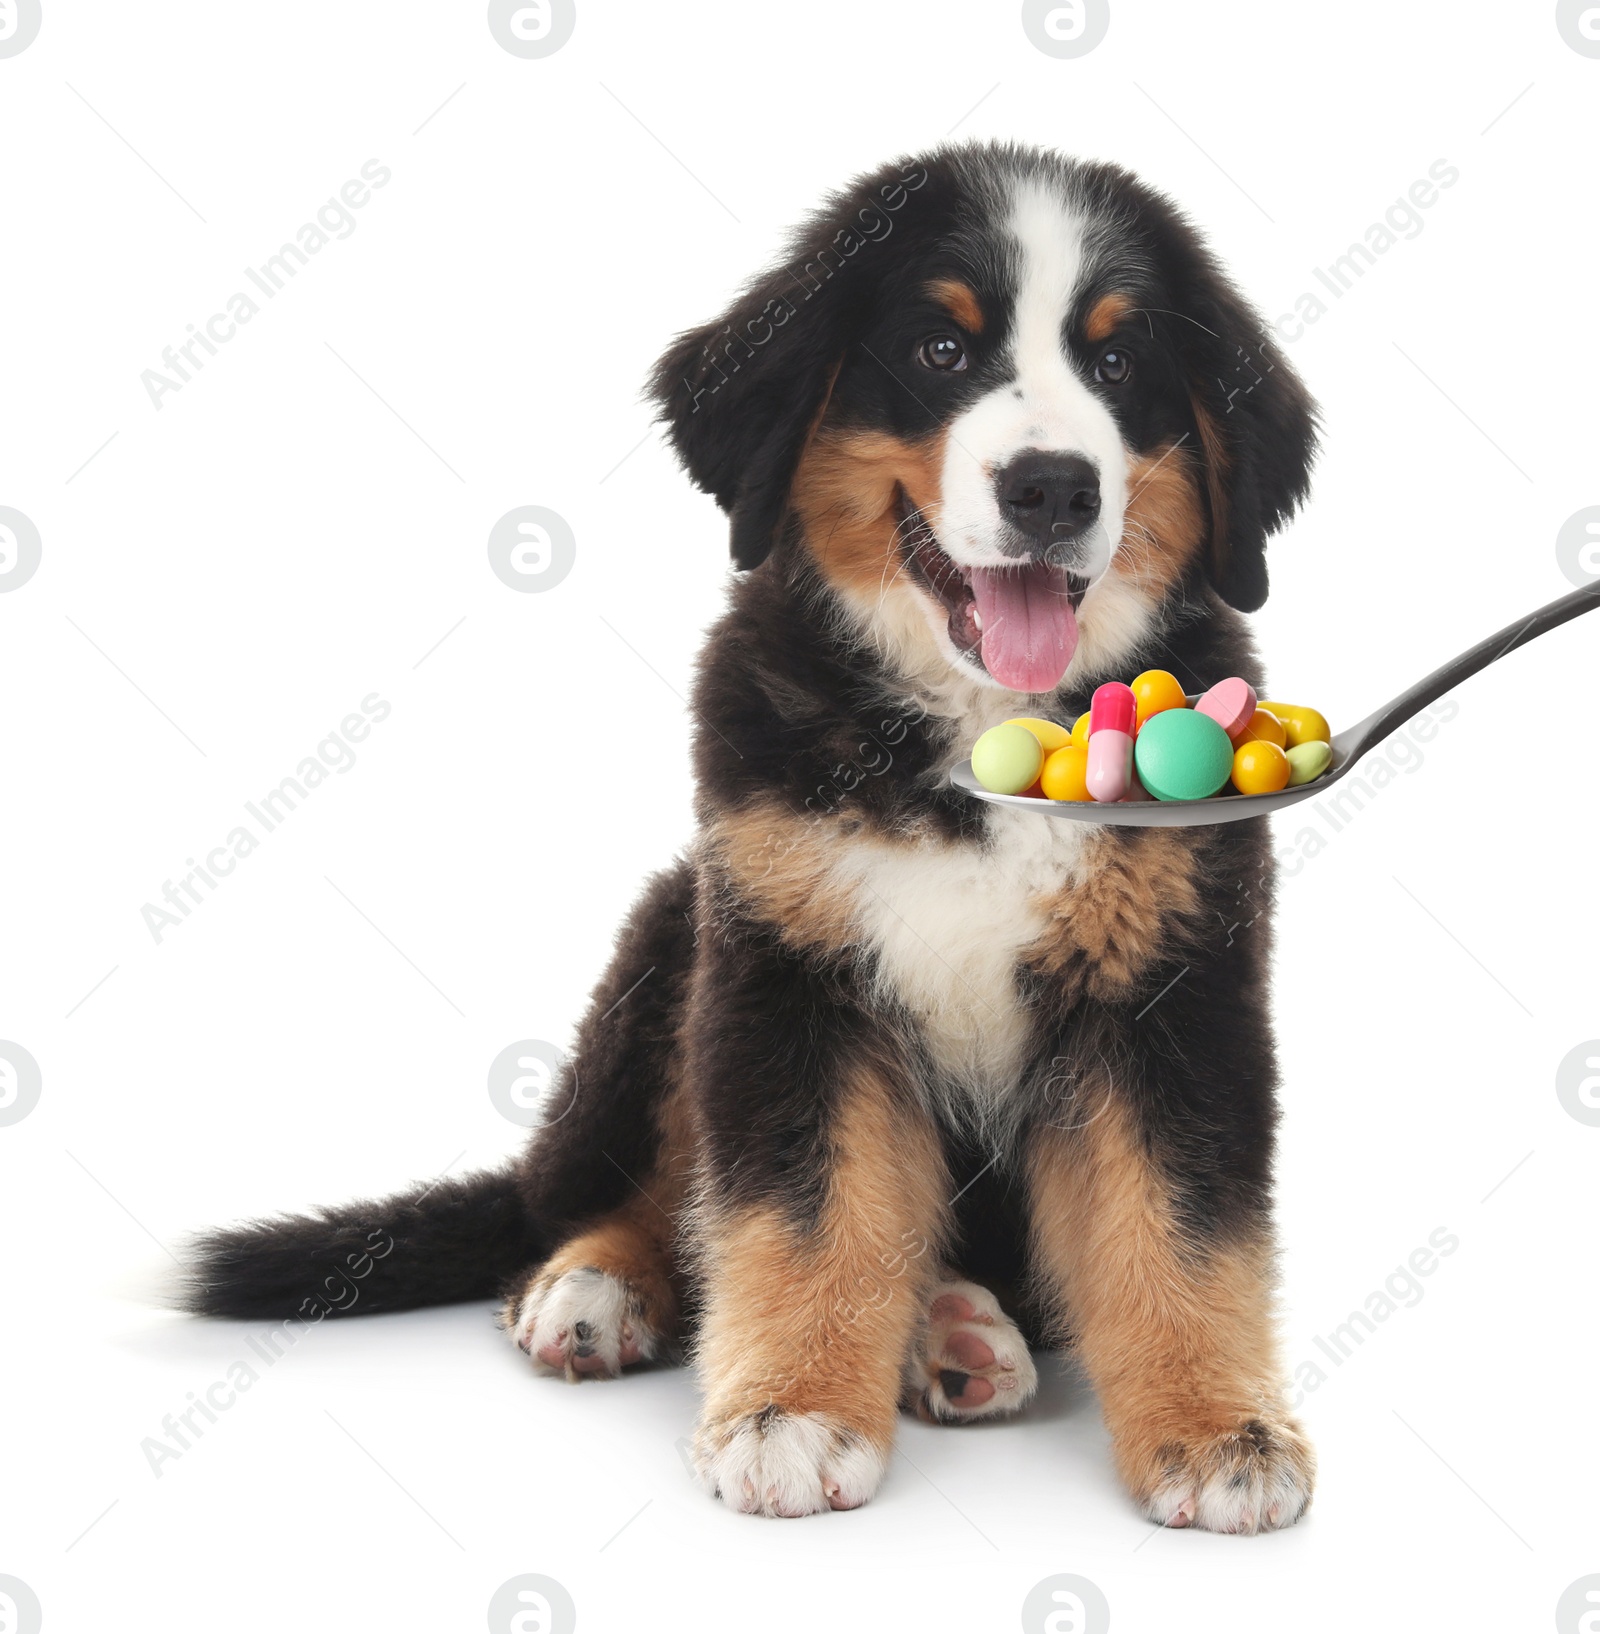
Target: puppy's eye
(942,352)
(1113,368)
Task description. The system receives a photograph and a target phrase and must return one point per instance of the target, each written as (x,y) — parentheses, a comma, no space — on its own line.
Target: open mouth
(1021,621)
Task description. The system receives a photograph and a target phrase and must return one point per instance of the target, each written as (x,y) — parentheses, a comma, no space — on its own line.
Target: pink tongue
(1029,629)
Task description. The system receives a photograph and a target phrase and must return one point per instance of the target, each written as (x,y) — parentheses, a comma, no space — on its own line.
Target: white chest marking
(947,924)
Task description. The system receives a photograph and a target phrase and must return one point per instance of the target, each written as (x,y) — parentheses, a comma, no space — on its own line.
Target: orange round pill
(1260,768)
(1066,773)
(1080,729)
(1154,691)
(1265,727)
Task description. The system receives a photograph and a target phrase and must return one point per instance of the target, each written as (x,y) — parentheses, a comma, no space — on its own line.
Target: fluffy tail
(436,1244)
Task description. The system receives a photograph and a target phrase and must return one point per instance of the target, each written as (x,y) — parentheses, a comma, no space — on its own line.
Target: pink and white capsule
(1112,714)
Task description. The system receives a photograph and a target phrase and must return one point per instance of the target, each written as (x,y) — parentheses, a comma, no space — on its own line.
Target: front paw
(773,1462)
(1254,1477)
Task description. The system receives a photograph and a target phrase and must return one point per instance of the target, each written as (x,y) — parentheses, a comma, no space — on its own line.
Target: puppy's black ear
(1257,427)
(741,396)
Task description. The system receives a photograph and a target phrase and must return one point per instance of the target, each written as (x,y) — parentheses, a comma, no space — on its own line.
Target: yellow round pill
(1049,733)
(1302,725)
(1265,727)
(1154,691)
(1080,729)
(1066,773)
(1260,768)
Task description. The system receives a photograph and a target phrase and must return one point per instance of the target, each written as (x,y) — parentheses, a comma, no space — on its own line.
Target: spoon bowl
(1348,746)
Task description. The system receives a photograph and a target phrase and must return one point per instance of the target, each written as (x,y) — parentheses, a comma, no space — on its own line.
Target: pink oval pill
(1230,704)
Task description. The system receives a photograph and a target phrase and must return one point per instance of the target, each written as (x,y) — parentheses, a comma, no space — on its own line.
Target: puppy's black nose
(1050,498)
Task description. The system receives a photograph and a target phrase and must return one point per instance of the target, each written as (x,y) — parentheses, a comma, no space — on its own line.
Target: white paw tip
(582,1326)
(798,1463)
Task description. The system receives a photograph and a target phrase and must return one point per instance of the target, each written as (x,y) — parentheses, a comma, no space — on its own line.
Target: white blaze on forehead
(1042,403)
(1049,268)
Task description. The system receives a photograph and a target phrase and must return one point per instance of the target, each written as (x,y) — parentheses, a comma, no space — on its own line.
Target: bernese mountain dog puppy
(884,1082)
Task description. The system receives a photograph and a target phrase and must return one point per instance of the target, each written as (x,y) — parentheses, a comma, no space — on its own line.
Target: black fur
(739,395)
(435,1244)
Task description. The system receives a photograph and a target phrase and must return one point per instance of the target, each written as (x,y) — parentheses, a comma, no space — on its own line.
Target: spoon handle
(1354,741)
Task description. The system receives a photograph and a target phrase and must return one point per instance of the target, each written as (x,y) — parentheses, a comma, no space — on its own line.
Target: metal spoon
(1348,746)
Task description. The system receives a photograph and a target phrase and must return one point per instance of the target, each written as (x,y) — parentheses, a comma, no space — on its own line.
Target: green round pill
(1308,761)
(1182,755)
(1006,759)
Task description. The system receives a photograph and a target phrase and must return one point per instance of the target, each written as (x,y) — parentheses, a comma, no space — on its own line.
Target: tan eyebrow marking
(1106,314)
(960,302)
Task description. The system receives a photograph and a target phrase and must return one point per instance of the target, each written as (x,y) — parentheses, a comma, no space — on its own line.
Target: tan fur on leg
(1177,1336)
(805,1332)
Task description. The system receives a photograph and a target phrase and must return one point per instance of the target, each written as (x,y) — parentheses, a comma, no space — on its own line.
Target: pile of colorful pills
(1145,741)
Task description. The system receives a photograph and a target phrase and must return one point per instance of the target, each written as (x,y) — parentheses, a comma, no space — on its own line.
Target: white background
(227,577)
